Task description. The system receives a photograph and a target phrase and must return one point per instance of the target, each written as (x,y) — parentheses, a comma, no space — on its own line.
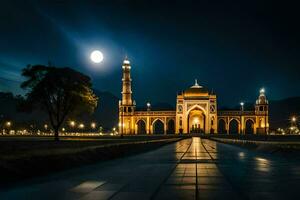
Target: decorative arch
(249,126)
(196,107)
(196,120)
(141,126)
(234,126)
(222,126)
(158,126)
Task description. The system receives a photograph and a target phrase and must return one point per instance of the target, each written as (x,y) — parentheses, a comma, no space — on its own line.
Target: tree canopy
(61,92)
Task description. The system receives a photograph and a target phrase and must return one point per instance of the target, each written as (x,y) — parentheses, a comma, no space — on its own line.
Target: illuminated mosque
(196,112)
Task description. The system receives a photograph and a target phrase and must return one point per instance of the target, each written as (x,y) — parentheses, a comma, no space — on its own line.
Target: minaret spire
(126,83)
(196,84)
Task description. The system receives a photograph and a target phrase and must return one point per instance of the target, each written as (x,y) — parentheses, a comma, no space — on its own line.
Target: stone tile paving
(189,169)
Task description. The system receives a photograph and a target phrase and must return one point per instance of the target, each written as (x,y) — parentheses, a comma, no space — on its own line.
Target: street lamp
(8,124)
(148,106)
(81,126)
(72,123)
(148,109)
(93,125)
(241,123)
(242,106)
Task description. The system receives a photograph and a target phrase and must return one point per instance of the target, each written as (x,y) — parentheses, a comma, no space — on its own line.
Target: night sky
(233,48)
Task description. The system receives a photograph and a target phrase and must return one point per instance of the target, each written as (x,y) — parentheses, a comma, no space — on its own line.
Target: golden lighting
(72,123)
(8,124)
(196,121)
(93,125)
(81,126)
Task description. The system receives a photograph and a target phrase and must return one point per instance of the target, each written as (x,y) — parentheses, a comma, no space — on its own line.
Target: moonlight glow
(96,56)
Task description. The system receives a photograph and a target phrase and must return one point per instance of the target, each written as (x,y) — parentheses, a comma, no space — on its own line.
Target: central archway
(196,121)
(158,127)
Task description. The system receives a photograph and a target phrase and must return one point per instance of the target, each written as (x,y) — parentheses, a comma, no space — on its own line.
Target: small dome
(196,90)
(126,62)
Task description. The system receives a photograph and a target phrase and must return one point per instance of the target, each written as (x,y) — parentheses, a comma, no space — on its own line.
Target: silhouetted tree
(61,92)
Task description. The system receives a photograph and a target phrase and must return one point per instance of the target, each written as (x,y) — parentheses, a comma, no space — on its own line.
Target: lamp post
(294,120)
(93,125)
(242,110)
(293,123)
(8,125)
(72,125)
(148,109)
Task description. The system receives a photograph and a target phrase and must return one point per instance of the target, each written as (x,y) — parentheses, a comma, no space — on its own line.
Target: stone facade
(196,112)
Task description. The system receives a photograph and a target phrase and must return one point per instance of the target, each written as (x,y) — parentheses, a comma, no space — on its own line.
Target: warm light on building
(196,112)
(196,121)
(93,125)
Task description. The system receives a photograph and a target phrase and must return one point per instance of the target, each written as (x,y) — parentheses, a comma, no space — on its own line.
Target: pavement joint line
(240,194)
(197,188)
(171,171)
(118,191)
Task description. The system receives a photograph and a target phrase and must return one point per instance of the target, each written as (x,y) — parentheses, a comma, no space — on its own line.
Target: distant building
(196,112)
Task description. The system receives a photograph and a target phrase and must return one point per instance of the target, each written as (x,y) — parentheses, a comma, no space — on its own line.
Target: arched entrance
(249,129)
(141,127)
(233,127)
(196,121)
(158,127)
(222,127)
(171,127)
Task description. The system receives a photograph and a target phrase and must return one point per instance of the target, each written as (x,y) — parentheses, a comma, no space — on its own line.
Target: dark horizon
(233,48)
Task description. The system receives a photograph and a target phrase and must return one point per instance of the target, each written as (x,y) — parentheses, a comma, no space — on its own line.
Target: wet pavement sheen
(189,169)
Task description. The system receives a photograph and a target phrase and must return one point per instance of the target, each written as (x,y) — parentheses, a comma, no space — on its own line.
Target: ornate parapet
(235,113)
(156,113)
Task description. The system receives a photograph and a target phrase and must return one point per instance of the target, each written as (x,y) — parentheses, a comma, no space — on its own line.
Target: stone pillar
(165,126)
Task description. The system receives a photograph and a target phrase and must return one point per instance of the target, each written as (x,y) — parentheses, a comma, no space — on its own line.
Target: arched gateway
(196,112)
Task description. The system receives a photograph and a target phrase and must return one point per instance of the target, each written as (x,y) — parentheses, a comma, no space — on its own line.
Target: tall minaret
(126,105)
(126,84)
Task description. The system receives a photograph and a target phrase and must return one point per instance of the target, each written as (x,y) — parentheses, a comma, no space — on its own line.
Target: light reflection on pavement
(189,169)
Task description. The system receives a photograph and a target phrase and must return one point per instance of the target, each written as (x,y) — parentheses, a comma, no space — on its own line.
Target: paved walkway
(189,169)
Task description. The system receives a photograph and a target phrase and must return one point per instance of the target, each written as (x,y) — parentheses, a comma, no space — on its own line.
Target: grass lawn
(22,158)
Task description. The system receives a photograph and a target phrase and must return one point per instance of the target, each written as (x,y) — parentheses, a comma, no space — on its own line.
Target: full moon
(96,56)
